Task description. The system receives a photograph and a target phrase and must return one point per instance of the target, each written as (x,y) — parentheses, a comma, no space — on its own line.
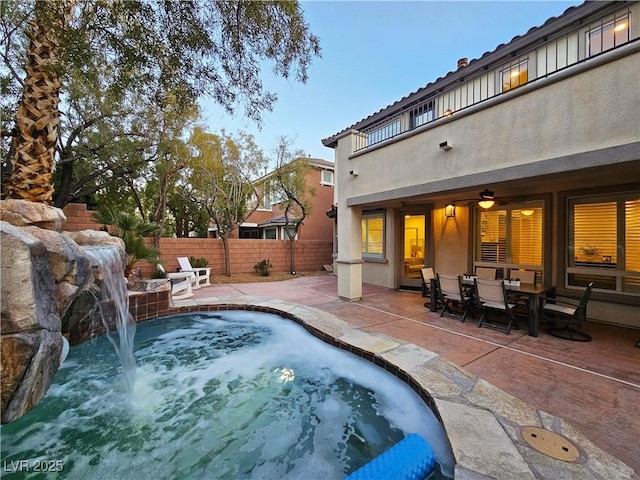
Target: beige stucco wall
(451,237)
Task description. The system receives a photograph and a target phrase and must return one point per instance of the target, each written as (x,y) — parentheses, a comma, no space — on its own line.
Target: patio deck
(594,386)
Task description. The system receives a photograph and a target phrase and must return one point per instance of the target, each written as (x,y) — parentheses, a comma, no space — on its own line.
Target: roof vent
(463,62)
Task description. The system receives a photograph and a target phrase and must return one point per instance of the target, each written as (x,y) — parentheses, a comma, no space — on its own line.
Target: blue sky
(373,54)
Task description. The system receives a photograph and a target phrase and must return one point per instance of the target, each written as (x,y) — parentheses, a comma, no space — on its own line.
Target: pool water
(228,395)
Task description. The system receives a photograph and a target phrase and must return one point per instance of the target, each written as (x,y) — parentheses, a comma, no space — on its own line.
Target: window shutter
(595,232)
(632,235)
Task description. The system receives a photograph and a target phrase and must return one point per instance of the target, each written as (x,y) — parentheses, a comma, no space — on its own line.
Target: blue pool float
(411,458)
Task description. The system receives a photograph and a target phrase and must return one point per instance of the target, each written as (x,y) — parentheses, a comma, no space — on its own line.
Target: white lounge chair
(201,274)
(180,283)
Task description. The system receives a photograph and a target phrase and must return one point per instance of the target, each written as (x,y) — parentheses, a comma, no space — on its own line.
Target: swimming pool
(233,394)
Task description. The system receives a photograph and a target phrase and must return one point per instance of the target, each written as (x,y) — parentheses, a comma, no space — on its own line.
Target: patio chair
(493,296)
(201,274)
(486,272)
(180,283)
(572,313)
(427,275)
(452,294)
(527,277)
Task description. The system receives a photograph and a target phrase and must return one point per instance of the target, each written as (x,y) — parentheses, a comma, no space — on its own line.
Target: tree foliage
(220,179)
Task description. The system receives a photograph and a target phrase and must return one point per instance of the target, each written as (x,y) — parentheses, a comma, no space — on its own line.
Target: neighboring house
(550,123)
(268,220)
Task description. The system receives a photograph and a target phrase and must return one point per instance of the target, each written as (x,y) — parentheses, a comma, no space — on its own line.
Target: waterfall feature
(113,291)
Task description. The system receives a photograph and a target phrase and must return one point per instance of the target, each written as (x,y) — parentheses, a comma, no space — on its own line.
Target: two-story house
(268,221)
(525,158)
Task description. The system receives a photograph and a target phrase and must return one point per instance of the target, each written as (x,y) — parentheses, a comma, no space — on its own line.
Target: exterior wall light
(445,146)
(450,211)
(448,112)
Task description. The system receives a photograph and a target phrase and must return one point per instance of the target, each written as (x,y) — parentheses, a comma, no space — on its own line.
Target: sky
(373,54)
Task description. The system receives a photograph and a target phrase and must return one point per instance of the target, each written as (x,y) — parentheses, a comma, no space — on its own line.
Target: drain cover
(551,444)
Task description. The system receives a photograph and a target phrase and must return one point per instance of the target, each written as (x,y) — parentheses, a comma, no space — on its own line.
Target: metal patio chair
(492,295)
(452,294)
(570,312)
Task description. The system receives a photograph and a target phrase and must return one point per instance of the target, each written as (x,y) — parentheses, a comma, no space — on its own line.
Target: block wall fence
(311,255)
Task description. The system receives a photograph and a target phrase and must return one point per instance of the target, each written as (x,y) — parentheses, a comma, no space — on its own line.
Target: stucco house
(268,220)
(545,129)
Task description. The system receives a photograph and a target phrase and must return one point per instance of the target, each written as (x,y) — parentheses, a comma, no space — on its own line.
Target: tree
(220,180)
(160,52)
(290,181)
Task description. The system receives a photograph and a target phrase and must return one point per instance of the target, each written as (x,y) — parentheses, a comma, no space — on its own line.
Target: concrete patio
(486,386)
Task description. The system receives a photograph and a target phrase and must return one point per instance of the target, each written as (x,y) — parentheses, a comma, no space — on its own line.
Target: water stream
(114,289)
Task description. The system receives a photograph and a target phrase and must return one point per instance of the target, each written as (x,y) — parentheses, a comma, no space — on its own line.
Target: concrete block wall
(311,255)
(79,218)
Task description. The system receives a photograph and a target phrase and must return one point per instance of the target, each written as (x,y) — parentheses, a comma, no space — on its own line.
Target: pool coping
(483,423)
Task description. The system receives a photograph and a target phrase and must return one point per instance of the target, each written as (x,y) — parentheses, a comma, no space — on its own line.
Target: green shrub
(198,262)
(263,267)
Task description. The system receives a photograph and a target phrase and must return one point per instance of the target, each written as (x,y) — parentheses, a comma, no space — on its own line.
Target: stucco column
(349,261)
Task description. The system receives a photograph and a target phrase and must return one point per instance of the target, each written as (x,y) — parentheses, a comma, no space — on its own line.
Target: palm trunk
(37,118)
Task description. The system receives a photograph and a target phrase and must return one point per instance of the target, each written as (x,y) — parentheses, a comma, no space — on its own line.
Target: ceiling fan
(486,199)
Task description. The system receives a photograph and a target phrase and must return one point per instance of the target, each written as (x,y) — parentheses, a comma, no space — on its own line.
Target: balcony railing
(592,39)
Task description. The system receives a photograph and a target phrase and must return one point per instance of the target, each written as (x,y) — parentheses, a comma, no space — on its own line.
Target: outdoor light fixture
(486,199)
(527,212)
(353,173)
(448,112)
(445,146)
(450,211)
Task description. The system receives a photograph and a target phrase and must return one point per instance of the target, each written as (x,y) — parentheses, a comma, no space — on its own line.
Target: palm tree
(131,229)
(37,117)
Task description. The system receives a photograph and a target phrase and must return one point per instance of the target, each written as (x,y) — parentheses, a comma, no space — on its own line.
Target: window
(373,235)
(604,242)
(608,35)
(422,114)
(272,195)
(327,177)
(511,237)
(515,75)
(288,233)
(270,234)
(380,134)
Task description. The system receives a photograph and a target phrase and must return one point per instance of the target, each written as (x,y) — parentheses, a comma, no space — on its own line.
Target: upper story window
(515,75)
(272,196)
(373,235)
(608,35)
(384,132)
(422,114)
(327,177)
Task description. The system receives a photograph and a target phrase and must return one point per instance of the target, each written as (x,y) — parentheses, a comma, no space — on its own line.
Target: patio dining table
(535,295)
